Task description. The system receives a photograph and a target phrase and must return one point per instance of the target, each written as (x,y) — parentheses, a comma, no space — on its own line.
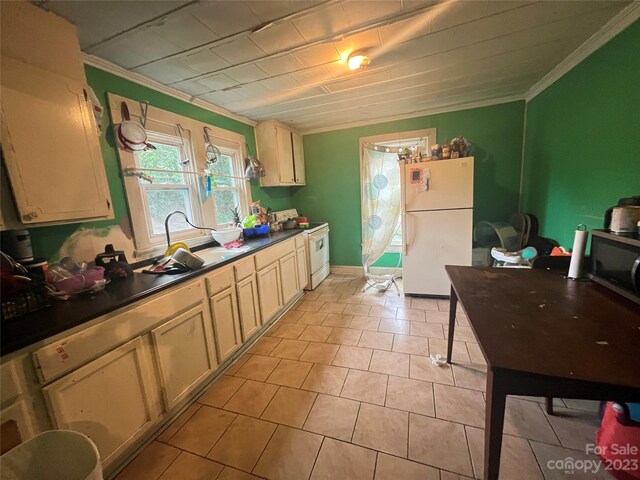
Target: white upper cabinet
(50,141)
(280,150)
(298,158)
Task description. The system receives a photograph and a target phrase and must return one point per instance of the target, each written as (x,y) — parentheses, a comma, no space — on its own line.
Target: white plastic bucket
(53,455)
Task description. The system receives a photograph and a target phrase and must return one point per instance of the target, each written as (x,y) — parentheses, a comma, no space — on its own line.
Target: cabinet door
(185,353)
(289,277)
(285,155)
(298,158)
(109,399)
(226,325)
(51,147)
(269,291)
(15,425)
(301,258)
(250,318)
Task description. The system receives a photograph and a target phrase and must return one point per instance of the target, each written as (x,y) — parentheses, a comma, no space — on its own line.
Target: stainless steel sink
(218,254)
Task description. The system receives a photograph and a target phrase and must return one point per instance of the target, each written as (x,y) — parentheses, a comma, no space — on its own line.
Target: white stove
(316,239)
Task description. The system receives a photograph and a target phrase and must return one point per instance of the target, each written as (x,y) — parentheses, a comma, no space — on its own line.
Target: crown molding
(107,66)
(421,113)
(613,27)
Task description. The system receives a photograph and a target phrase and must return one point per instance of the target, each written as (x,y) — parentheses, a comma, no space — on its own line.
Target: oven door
(318,249)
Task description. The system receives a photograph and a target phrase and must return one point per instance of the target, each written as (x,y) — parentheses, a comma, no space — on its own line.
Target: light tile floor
(341,387)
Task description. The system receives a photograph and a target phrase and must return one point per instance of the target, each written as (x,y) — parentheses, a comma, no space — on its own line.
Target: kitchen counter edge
(23,332)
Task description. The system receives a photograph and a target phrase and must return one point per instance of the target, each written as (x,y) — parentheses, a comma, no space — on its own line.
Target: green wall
(581,144)
(333,170)
(48,240)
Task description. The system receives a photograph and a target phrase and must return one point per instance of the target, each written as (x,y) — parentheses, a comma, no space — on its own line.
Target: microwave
(615,262)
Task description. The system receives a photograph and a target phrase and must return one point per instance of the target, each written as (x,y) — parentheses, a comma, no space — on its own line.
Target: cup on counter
(38,267)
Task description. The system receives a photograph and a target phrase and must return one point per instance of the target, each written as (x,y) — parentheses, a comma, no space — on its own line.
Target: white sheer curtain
(380,183)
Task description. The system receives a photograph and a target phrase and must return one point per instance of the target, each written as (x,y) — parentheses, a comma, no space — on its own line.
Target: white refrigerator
(437,223)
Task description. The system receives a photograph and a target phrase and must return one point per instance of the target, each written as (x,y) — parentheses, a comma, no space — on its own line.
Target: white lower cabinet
(289,277)
(249,306)
(226,323)
(174,342)
(16,425)
(109,400)
(185,353)
(301,258)
(269,290)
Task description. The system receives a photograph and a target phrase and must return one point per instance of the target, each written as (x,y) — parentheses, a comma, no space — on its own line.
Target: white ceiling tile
(222,98)
(278,38)
(338,69)
(403,30)
(184,30)
(144,45)
(279,65)
(150,45)
(313,75)
(412,5)
(324,23)
(239,51)
(317,54)
(226,17)
(307,92)
(217,81)
(494,7)
(246,73)
(447,15)
(280,83)
(273,9)
(119,52)
(192,87)
(204,61)
(166,71)
(360,79)
(366,40)
(362,12)
(102,19)
(253,90)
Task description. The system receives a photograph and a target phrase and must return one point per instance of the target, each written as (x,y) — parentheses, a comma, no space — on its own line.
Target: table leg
(549,405)
(453,303)
(494,422)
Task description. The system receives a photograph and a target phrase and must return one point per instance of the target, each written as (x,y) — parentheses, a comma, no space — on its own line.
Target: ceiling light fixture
(358,60)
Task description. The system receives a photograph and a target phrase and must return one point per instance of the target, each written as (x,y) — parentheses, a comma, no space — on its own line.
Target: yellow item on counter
(174,247)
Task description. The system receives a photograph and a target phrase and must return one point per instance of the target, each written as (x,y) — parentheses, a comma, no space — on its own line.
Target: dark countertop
(23,331)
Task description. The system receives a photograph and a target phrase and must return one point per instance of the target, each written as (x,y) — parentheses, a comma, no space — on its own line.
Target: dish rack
(26,301)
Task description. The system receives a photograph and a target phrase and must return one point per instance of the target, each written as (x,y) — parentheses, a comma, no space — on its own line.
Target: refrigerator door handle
(405,232)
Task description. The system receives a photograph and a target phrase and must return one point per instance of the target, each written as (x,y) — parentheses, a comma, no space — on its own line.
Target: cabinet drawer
(299,240)
(219,280)
(244,268)
(275,253)
(77,349)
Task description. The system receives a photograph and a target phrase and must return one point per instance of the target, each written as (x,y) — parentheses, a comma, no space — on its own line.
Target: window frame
(162,124)
(186,151)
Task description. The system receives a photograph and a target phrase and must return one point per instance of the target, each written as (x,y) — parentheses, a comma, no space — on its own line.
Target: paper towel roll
(577,254)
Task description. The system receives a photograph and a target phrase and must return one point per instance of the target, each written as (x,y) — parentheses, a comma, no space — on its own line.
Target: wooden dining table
(545,335)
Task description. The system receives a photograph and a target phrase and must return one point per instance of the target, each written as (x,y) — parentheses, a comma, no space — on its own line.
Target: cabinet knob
(31,215)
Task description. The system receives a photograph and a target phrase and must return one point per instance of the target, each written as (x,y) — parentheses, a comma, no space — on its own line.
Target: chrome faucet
(186,219)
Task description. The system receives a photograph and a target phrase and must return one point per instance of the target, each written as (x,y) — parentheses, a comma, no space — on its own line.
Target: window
(228,194)
(395,141)
(177,165)
(169,191)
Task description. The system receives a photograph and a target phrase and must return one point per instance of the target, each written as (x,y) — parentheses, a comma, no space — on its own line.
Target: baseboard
(355,270)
